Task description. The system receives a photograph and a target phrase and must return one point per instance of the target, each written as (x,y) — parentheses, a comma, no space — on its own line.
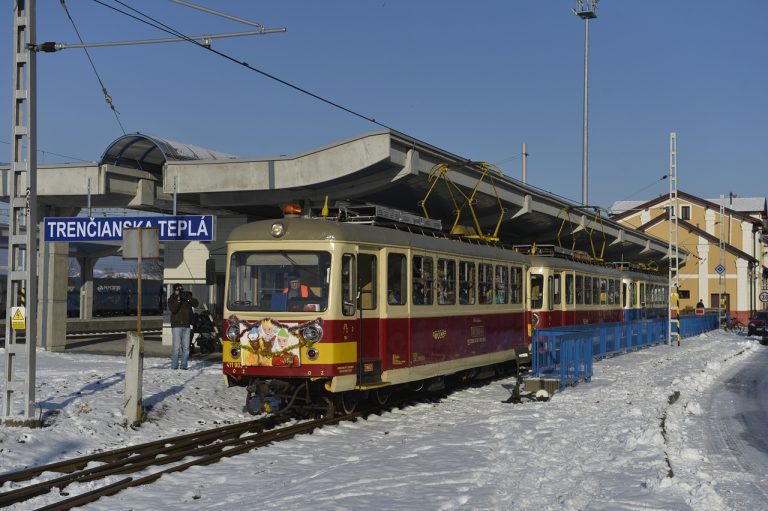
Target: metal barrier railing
(695,325)
(565,354)
(568,352)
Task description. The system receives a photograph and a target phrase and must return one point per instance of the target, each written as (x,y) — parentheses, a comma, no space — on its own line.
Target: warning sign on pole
(18,318)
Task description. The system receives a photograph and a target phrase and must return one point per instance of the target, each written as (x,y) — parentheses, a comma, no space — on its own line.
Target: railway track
(203,448)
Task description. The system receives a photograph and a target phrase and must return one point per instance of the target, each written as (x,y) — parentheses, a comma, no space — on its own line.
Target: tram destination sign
(170,228)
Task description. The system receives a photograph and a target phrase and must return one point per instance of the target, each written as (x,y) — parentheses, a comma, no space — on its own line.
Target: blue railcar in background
(114,296)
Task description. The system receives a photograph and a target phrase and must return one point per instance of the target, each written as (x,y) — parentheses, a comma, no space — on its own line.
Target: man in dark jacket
(181,304)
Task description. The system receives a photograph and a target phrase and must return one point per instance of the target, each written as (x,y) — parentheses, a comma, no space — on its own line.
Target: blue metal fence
(695,325)
(568,352)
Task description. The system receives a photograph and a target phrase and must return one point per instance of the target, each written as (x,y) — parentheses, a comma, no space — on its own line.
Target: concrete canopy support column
(87,264)
(52,296)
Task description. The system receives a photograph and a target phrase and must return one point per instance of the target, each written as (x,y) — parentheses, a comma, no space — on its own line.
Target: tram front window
(279,281)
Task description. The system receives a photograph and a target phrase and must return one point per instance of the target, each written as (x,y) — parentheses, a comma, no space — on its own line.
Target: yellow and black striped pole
(674,316)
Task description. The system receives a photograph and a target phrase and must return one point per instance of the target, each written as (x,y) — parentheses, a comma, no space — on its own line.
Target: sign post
(138,243)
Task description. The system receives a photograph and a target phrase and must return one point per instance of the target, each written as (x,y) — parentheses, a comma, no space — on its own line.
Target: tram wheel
(346,402)
(382,395)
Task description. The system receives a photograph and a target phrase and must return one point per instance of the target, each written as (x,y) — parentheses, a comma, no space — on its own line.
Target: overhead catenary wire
(165,28)
(107,96)
(44,152)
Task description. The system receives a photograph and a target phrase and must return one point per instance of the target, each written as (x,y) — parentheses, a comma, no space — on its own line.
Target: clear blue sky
(474,78)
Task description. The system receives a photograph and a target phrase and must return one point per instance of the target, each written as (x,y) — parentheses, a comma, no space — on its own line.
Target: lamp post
(586,10)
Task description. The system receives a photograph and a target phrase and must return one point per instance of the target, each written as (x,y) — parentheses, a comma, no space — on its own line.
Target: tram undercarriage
(302,397)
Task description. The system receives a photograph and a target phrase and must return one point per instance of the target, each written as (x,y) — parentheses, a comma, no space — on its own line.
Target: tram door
(369,360)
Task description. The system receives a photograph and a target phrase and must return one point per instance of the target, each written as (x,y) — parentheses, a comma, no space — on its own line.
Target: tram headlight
(278,229)
(232,331)
(313,333)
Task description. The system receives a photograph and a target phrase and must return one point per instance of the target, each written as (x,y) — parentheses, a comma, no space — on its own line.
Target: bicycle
(735,326)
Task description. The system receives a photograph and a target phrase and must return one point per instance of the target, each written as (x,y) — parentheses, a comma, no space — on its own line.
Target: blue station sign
(170,228)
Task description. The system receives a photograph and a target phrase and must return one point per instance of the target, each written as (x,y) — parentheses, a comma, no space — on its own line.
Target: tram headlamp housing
(313,353)
(277,230)
(312,333)
(232,331)
(234,352)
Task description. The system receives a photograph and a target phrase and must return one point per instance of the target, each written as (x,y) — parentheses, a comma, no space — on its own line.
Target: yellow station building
(728,246)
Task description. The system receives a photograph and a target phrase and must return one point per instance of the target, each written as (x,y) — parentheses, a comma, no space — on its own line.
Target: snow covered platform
(596,447)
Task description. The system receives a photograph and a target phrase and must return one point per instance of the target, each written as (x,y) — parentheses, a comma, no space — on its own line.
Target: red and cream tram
(382,308)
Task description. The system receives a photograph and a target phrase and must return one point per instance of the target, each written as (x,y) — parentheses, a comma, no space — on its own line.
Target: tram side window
(596,291)
(446,281)
(642,294)
(537,291)
(556,294)
(485,283)
(516,285)
(466,283)
(502,284)
(569,288)
(579,289)
(611,292)
(603,290)
(396,279)
(347,284)
(422,280)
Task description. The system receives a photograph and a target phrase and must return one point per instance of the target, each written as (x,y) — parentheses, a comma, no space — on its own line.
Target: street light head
(586,9)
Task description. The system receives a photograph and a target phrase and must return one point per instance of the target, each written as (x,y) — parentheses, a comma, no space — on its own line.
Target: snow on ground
(616,443)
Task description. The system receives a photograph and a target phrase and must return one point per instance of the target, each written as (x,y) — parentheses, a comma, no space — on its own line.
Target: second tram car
(379,309)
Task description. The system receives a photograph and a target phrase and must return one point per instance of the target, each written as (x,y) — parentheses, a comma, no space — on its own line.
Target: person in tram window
(419,294)
(463,293)
(442,293)
(296,289)
(393,294)
(700,304)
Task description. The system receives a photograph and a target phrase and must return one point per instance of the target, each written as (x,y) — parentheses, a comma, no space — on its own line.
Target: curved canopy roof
(149,153)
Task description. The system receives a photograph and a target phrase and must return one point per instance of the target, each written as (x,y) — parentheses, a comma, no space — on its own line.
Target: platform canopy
(394,170)
(386,168)
(150,153)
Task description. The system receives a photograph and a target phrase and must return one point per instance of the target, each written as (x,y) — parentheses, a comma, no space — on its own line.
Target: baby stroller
(205,332)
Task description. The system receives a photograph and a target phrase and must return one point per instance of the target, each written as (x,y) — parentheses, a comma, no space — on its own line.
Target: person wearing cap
(296,289)
(181,305)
